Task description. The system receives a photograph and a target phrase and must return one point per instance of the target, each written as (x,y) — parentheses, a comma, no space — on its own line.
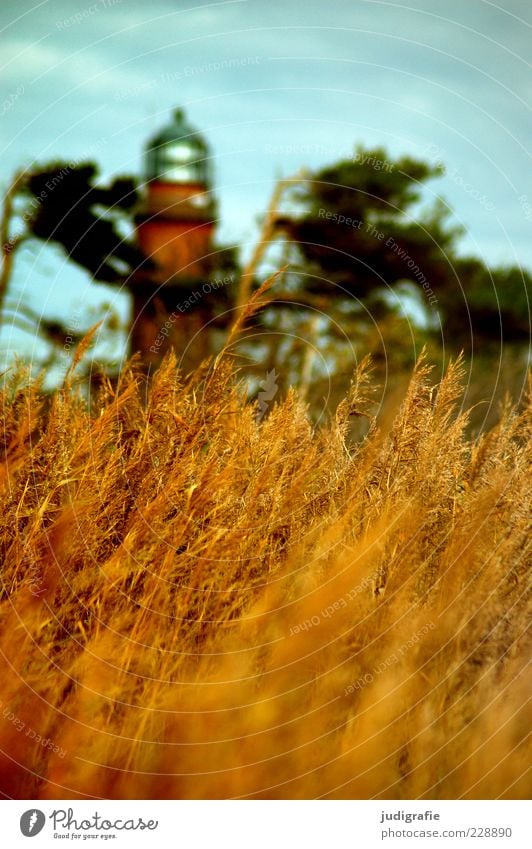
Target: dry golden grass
(198,604)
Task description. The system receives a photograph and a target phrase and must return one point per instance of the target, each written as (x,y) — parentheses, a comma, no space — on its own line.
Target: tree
(361,235)
(494,305)
(60,204)
(82,217)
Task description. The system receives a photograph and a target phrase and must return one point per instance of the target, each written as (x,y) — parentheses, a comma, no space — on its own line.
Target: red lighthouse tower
(174,231)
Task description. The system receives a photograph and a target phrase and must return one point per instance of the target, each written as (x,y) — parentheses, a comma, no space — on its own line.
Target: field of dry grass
(199,604)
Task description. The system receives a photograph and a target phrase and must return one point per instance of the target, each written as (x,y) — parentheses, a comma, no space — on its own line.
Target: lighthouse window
(181,174)
(179,152)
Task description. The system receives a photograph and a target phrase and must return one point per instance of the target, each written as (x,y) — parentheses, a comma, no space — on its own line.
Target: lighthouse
(174,228)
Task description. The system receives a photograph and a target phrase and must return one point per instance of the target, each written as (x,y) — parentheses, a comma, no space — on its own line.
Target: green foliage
(67,208)
(363,232)
(492,303)
(359,230)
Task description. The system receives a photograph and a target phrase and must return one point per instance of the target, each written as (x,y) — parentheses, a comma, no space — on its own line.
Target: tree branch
(9,246)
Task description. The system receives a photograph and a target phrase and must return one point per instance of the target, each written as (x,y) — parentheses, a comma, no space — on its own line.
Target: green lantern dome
(178,154)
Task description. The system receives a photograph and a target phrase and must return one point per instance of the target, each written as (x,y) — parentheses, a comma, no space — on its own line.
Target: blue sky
(274,85)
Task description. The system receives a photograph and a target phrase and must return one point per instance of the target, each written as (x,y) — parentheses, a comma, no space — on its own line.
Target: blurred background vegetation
(367,266)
